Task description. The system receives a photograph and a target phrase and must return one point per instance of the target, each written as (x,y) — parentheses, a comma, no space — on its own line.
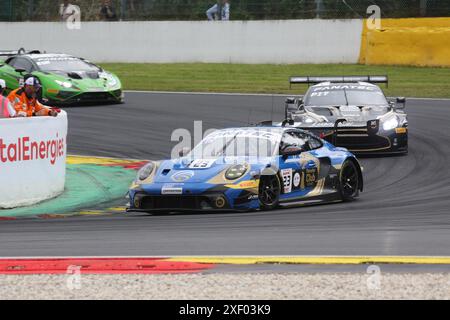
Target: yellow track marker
(97,160)
(89,213)
(116,209)
(317,260)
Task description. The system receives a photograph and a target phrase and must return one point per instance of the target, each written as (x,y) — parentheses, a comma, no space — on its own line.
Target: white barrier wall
(285,41)
(32,159)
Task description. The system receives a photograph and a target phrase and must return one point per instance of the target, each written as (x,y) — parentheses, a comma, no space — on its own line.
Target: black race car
(351,112)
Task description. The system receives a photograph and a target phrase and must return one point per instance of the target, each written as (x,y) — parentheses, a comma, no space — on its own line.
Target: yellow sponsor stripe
(317,260)
(248,184)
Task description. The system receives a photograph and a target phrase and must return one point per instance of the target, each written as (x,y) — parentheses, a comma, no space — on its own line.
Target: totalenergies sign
(32,159)
(27,149)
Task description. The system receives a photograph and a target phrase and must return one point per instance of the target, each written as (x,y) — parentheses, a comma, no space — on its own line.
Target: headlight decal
(146,171)
(112,81)
(236,171)
(390,124)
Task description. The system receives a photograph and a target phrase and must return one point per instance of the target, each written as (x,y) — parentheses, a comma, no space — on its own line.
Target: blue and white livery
(249,169)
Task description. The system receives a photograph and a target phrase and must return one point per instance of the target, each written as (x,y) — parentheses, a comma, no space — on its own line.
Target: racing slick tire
(269,191)
(349,184)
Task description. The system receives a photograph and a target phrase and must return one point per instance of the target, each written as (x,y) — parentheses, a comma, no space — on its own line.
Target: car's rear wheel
(349,181)
(269,191)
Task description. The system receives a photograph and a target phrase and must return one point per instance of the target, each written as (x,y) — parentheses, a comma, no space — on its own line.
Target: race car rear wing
(10,53)
(337,79)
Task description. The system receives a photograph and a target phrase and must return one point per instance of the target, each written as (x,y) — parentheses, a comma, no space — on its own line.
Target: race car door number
(201,163)
(287,180)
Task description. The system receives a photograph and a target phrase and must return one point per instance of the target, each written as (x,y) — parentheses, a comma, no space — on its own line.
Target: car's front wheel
(349,183)
(269,191)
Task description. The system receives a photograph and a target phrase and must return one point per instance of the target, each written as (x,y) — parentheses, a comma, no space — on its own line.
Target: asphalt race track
(405,209)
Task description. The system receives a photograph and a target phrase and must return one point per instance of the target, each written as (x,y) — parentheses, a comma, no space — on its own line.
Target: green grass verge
(87,186)
(247,78)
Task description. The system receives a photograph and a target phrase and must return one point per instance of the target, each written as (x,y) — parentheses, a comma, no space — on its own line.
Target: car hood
(87,81)
(355,115)
(78,75)
(186,170)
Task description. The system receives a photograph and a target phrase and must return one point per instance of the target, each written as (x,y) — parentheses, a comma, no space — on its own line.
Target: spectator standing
(219,11)
(127,8)
(107,11)
(66,10)
(6,109)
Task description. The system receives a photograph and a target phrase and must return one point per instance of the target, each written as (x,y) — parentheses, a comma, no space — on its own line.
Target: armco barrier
(417,42)
(420,41)
(289,41)
(32,159)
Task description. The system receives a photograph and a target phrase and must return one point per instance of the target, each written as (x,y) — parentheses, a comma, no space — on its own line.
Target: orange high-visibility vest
(32,107)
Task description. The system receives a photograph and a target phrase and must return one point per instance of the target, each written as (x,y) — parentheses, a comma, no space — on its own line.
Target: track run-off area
(404,209)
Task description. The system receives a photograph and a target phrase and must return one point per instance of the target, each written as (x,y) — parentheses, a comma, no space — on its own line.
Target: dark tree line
(47,10)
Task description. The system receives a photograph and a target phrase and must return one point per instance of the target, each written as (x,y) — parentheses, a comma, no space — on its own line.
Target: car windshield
(346,97)
(65,64)
(235,146)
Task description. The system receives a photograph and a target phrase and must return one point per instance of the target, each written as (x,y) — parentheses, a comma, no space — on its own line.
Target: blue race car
(248,169)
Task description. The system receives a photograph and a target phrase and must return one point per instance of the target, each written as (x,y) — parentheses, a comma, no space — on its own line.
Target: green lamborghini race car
(65,79)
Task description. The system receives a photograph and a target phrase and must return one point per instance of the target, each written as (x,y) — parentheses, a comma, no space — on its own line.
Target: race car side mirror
(20,70)
(400,103)
(290,107)
(293,105)
(287,122)
(184,151)
(290,100)
(300,104)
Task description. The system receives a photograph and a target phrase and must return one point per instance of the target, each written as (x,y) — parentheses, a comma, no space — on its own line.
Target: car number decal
(287,180)
(202,163)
